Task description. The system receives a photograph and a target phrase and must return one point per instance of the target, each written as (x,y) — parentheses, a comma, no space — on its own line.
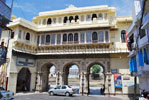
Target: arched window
(76,18)
(94,16)
(49,21)
(27,36)
(70,37)
(76,37)
(123,36)
(64,37)
(94,37)
(70,18)
(47,38)
(100,17)
(65,19)
(106,36)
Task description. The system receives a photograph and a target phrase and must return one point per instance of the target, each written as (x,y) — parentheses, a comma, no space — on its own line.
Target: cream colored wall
(33,35)
(120,62)
(13,73)
(116,35)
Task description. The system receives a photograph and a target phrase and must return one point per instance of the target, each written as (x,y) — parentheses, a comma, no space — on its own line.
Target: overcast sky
(27,9)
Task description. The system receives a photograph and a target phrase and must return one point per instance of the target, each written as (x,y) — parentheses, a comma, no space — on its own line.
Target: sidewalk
(123,97)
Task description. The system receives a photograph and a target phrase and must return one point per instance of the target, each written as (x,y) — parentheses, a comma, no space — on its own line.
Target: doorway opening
(96,79)
(72,76)
(24,80)
(48,77)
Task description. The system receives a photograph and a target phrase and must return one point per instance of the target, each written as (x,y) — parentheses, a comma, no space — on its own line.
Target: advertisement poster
(117,81)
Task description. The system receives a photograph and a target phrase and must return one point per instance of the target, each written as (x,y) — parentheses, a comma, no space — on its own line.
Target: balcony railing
(69,49)
(5,10)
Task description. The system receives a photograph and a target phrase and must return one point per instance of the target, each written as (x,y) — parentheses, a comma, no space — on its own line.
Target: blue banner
(117,81)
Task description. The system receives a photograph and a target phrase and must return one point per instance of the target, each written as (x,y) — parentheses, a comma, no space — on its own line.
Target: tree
(95,71)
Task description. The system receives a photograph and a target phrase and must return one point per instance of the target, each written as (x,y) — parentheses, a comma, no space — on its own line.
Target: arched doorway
(96,79)
(48,77)
(72,76)
(24,80)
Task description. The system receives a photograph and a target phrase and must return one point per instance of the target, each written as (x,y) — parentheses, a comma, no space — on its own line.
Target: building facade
(138,37)
(72,36)
(5,13)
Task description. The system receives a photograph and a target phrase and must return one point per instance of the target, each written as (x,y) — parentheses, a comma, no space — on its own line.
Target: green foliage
(95,71)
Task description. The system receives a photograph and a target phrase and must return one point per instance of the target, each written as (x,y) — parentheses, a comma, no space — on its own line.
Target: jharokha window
(123,36)
(65,38)
(48,39)
(70,37)
(94,37)
(70,19)
(28,36)
(49,21)
(94,16)
(76,37)
(76,18)
(65,19)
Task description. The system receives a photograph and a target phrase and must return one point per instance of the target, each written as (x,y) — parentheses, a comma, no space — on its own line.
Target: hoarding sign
(117,81)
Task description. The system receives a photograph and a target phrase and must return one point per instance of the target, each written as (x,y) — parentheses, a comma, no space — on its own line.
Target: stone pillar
(86,83)
(61,78)
(81,82)
(58,78)
(108,84)
(33,80)
(12,82)
(39,82)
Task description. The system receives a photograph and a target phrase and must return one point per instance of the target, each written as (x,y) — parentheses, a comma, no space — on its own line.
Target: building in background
(5,14)
(138,43)
(73,36)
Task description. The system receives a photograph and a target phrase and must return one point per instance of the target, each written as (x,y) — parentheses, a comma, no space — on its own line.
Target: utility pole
(135,87)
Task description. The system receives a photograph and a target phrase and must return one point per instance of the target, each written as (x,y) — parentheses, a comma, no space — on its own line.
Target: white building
(138,43)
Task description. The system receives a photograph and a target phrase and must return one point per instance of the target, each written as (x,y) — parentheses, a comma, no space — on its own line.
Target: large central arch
(99,84)
(24,80)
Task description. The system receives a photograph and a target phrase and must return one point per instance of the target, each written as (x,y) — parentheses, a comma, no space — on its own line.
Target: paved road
(76,97)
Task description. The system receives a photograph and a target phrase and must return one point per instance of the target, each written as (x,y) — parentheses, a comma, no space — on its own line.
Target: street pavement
(45,96)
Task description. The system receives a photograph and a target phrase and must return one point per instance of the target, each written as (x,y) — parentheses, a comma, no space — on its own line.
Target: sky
(28,9)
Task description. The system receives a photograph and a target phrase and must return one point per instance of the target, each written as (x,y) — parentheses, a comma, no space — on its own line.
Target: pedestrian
(102,90)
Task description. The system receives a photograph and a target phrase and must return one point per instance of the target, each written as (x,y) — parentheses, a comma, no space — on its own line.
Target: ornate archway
(96,78)
(23,80)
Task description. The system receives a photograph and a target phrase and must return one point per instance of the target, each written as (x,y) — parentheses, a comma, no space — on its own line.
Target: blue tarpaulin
(130,66)
(133,64)
(140,57)
(145,56)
